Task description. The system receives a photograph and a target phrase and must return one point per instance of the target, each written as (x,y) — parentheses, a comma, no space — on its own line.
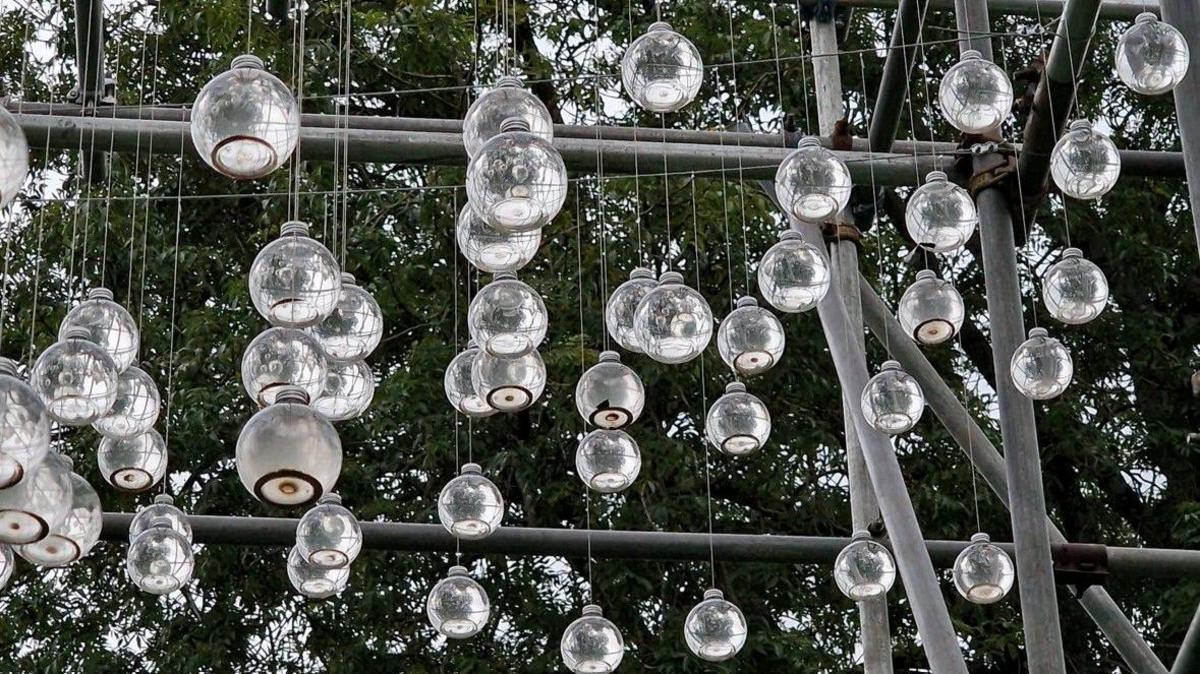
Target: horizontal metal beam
(1112,9)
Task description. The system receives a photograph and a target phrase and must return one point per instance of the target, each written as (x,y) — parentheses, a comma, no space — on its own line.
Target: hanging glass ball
(38,504)
(1041,366)
(715,629)
(108,324)
(280,358)
(136,408)
(24,426)
(976,95)
(674,322)
(518,181)
(750,339)
(459,389)
(864,569)
(507,317)
(162,512)
(76,379)
(458,606)
(313,581)
(507,100)
(931,310)
(14,158)
(940,216)
(245,122)
(812,183)
(494,250)
(1085,163)
(76,535)
(355,326)
(470,506)
(295,281)
(1075,289)
(133,464)
(623,304)
(1152,56)
(160,559)
(509,384)
(608,461)
(349,390)
(288,454)
(983,572)
(793,275)
(610,394)
(592,643)
(7,565)
(892,401)
(738,423)
(662,70)
(328,536)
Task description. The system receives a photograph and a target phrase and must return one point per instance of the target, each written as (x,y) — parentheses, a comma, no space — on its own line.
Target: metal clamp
(839,229)
(1080,565)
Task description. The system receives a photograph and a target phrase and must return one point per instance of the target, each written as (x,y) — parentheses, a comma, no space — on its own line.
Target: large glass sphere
(793,275)
(7,565)
(14,158)
(610,394)
(750,339)
(24,426)
(940,216)
(1041,366)
(38,504)
(1075,289)
(518,181)
(507,317)
(623,304)
(715,629)
(458,606)
(133,464)
(983,572)
(295,281)
(494,250)
(976,95)
(76,535)
(160,559)
(509,384)
(136,408)
(674,322)
(313,581)
(662,70)
(245,122)
(162,512)
(76,379)
(608,461)
(738,423)
(812,183)
(470,506)
(283,357)
(892,401)
(349,390)
(931,310)
(506,100)
(328,535)
(108,324)
(864,569)
(592,643)
(1152,56)
(288,454)
(460,391)
(1085,163)
(355,326)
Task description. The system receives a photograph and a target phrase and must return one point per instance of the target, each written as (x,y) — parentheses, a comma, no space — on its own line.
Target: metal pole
(1188,658)
(89,50)
(1183,15)
(1111,9)
(897,70)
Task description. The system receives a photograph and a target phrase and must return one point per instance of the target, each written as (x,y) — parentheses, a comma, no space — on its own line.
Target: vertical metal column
(1183,15)
(1188,658)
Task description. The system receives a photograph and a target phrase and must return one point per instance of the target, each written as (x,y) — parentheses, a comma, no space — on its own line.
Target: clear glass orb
(983,572)
(662,70)
(674,322)
(1152,56)
(738,423)
(750,339)
(892,401)
(812,183)
(328,535)
(460,391)
(470,506)
(507,317)
(715,629)
(518,181)
(608,461)
(7,565)
(592,643)
(623,304)
(14,158)
(793,275)
(280,358)
(1075,289)
(507,100)
(509,384)
(940,216)
(35,506)
(295,281)
(1041,366)
(1085,163)
(133,464)
(931,310)
(494,250)
(245,122)
(864,569)
(160,559)
(24,426)
(75,536)
(976,95)
(610,394)
(313,581)
(136,408)
(76,379)
(349,390)
(288,454)
(108,324)
(162,512)
(458,606)
(355,326)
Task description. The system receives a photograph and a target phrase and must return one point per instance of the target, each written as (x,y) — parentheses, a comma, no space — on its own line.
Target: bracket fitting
(1080,565)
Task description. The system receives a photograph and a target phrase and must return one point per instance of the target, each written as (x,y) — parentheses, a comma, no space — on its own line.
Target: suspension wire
(149,184)
(737,109)
(249,22)
(637,191)
(457,414)
(666,176)
(778,76)
(803,69)
(37,268)
(109,172)
(299,51)
(10,226)
(712,555)
(137,152)
(81,174)
(879,241)
(1023,251)
(346,141)
(587,497)
(600,214)
(174,304)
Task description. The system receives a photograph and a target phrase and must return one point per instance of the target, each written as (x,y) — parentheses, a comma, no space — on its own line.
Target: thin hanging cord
(862,69)
(298,60)
(137,151)
(582,369)
(779,76)
(109,173)
(249,22)
(669,256)
(149,184)
(174,304)
(346,141)
(1024,220)
(712,555)
(637,190)
(10,230)
(600,216)
(457,414)
(737,109)
(803,69)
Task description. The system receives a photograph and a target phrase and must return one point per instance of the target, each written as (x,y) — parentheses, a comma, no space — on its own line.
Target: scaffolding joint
(1079,565)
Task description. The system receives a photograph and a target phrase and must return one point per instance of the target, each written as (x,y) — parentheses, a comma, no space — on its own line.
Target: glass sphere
(674,322)
(76,379)
(245,122)
(38,504)
(1075,289)
(509,384)
(662,70)
(750,339)
(812,183)
(592,643)
(1152,56)
(133,464)
(355,326)
(459,389)
(313,581)
(288,454)
(940,216)
(608,461)
(931,310)
(507,100)
(738,423)
(76,535)
(610,394)
(108,324)
(328,535)
(518,181)
(24,426)
(623,304)
(14,158)
(470,506)
(458,606)
(507,317)
(983,573)
(494,250)
(283,357)
(349,390)
(294,280)
(793,275)
(160,559)
(892,401)
(864,569)
(136,408)
(1041,366)
(976,95)
(1085,163)
(162,512)
(7,565)
(715,629)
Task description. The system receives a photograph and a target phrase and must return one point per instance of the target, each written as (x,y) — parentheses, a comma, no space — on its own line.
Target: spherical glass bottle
(160,559)
(108,324)
(35,506)
(14,158)
(892,401)
(864,569)
(355,326)
(163,512)
(470,506)
(931,310)
(1075,289)
(493,250)
(460,391)
(315,582)
(76,535)
(508,99)
(509,384)
(608,461)
(136,408)
(610,394)
(623,304)
(1152,56)
(295,281)
(662,70)
(76,379)
(458,606)
(976,95)
(349,390)
(328,535)
(24,426)
(674,322)
(940,216)
(134,464)
(1085,163)
(288,454)
(983,572)
(738,423)
(280,358)
(793,275)
(812,183)
(1041,367)
(518,181)
(507,317)
(592,643)
(750,339)
(715,629)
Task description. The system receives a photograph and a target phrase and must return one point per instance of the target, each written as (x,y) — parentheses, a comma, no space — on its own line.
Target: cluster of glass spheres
(609,396)
(328,540)
(160,559)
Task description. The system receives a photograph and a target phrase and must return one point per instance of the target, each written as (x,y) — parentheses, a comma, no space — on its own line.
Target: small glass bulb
(1041,366)
(750,339)
(509,384)
(160,559)
(76,379)
(288,454)
(470,506)
(674,322)
(14,158)
(793,275)
(864,569)
(507,318)
(940,216)
(349,390)
(608,461)
(163,512)
(328,535)
(24,426)
(662,70)
(812,183)
(295,281)
(493,250)
(7,564)
(280,358)
(1075,289)
(518,181)
(592,643)
(976,95)
(458,606)
(136,408)
(623,304)
(506,100)
(315,582)
(931,310)
(35,506)
(459,389)
(983,572)
(892,401)
(108,324)
(75,536)
(1152,56)
(134,464)
(610,394)
(738,423)
(355,326)
(715,629)
(1085,163)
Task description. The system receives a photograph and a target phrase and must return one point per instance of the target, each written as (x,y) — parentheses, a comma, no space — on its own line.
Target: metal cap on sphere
(713,593)
(640,272)
(331,497)
(294,227)
(746,301)
(670,277)
(970,54)
(591,609)
(291,394)
(926,273)
(659,25)
(610,357)
(348,279)
(76,332)
(1145,17)
(735,387)
(790,235)
(981,538)
(508,81)
(100,294)
(1072,252)
(890,365)
(504,275)
(471,468)
(936,176)
(164,499)
(457,570)
(1080,125)
(809,141)
(514,124)
(8,366)
(1037,332)
(162,521)
(861,535)
(248,61)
